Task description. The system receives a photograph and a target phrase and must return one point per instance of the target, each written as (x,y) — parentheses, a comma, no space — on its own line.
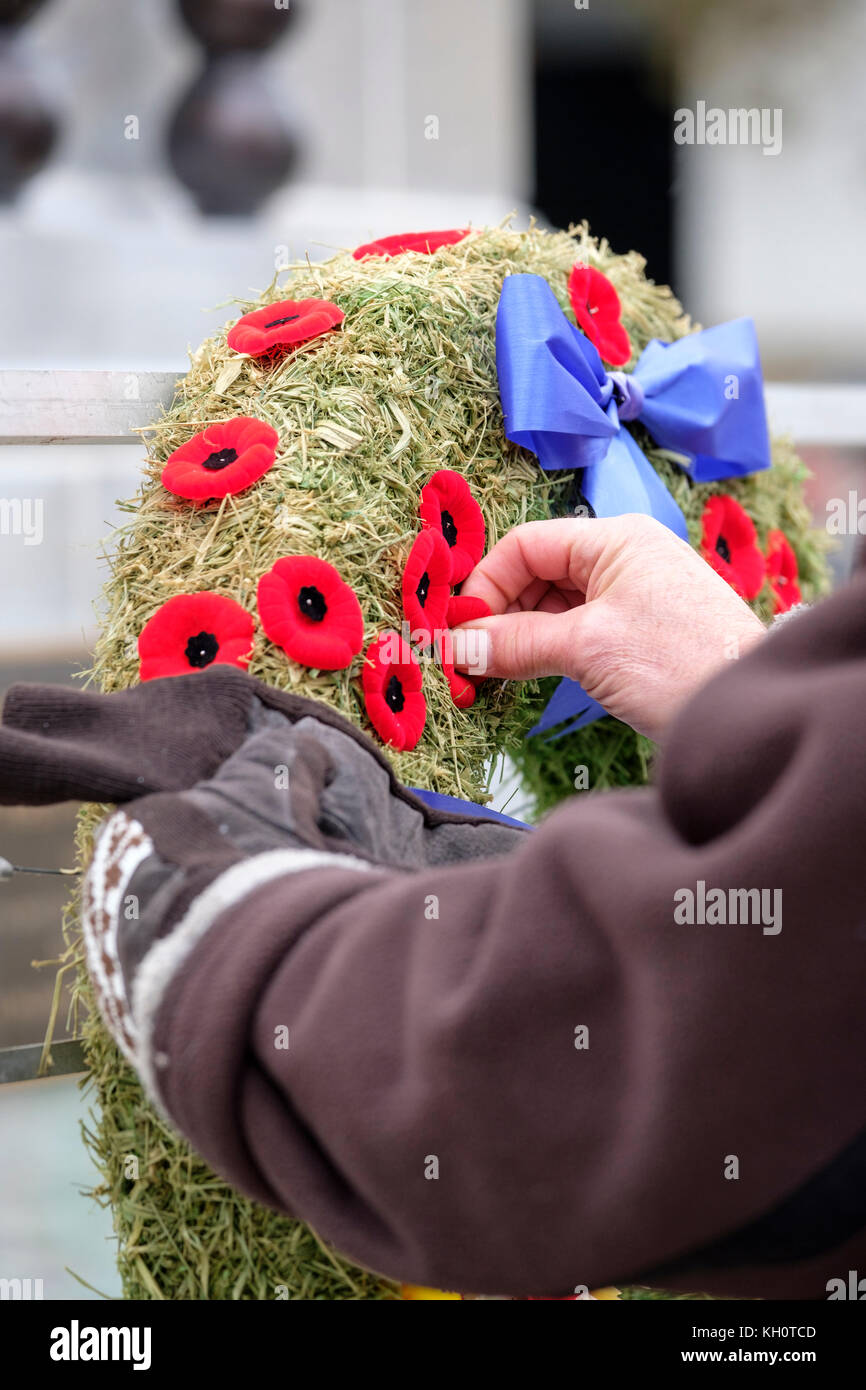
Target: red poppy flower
(309,611)
(597,309)
(226,457)
(427,584)
(447,505)
(782,572)
(463,687)
(192,631)
(730,545)
(463,608)
(285,324)
(392,691)
(424,242)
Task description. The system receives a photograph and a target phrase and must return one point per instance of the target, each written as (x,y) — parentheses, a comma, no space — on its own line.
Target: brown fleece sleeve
(523,1074)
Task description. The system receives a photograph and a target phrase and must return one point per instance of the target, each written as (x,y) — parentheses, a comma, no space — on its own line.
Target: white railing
(67,407)
(52,421)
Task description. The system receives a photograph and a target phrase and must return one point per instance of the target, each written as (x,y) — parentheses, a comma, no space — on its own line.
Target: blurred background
(158,159)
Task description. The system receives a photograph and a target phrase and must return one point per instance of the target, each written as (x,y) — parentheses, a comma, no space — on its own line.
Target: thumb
(518,646)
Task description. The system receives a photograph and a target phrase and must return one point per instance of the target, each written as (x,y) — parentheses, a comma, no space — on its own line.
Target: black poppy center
(312,603)
(449,530)
(201,649)
(220,458)
(394,697)
(423,588)
(275,323)
(723,549)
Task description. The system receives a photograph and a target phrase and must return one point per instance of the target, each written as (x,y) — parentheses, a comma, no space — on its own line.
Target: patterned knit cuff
(131,980)
(782,618)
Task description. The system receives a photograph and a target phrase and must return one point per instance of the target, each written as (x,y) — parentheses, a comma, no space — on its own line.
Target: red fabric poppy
(730,545)
(284,324)
(447,505)
(391,679)
(782,572)
(427,585)
(226,457)
(423,242)
(192,631)
(463,687)
(309,611)
(463,608)
(597,309)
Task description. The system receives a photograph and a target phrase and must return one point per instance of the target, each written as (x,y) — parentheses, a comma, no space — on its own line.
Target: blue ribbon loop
(701,398)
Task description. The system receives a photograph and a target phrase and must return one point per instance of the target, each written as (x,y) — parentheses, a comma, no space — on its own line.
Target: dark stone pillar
(28,123)
(229,143)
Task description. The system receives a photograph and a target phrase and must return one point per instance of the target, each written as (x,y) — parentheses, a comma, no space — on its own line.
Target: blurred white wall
(108,237)
(780,237)
(105,261)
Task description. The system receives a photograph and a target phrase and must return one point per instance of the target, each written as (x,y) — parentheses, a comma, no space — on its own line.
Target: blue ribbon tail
(569,701)
(624,482)
(627,482)
(440,802)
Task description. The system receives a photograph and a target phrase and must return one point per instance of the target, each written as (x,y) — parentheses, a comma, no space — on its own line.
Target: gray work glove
(224,782)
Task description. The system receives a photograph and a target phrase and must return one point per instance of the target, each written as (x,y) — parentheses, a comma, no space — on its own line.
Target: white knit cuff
(782,618)
(130,1012)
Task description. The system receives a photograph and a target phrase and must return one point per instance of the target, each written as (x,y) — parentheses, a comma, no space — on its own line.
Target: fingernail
(471,649)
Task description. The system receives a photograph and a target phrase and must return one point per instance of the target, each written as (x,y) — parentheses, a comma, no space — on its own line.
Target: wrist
(732,642)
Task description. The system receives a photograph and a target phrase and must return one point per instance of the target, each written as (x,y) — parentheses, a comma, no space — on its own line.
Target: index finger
(564,551)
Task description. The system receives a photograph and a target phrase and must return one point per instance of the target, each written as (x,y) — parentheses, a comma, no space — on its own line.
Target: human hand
(620,604)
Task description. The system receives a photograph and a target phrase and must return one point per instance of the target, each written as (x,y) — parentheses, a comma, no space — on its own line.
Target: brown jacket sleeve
(528,1073)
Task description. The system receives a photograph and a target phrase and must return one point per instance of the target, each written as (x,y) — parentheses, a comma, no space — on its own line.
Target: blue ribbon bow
(701,398)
